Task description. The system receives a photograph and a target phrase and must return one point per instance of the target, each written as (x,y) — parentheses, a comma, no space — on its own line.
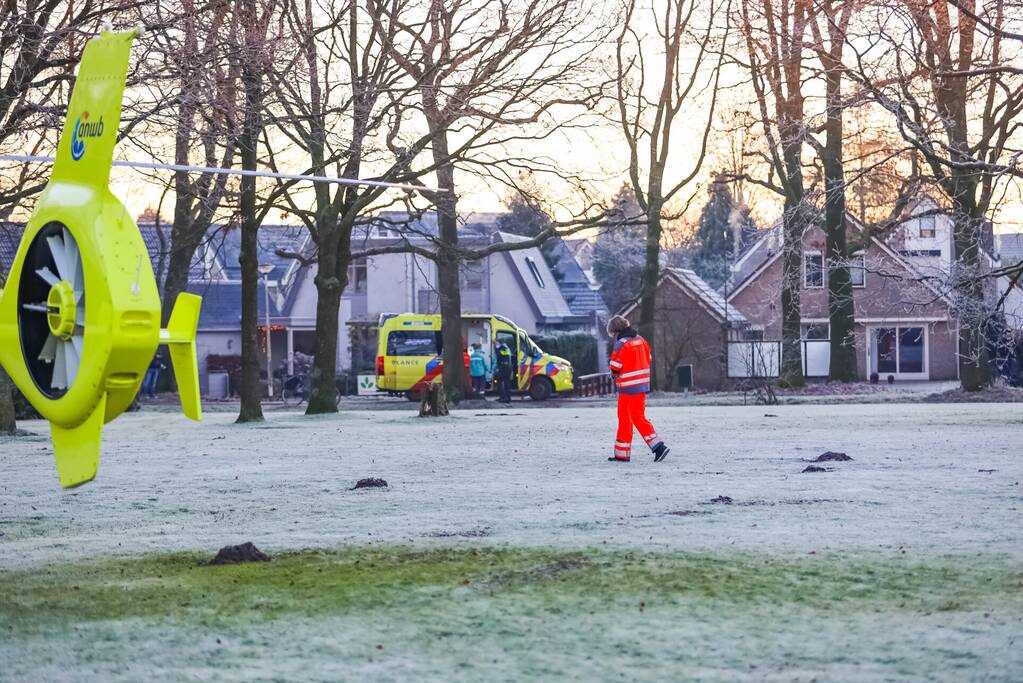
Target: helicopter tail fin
(76,449)
(180,339)
(86,148)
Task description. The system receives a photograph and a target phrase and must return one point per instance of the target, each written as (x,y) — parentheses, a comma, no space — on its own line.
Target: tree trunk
(8,423)
(250,390)
(967,227)
(840,294)
(183,245)
(434,402)
(331,280)
(974,356)
(794,223)
(448,263)
(651,274)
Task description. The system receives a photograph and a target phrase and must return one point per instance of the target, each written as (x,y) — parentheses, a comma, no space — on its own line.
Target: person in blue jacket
(478,370)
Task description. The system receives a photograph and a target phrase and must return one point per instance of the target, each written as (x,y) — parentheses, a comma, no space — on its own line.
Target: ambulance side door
(526,361)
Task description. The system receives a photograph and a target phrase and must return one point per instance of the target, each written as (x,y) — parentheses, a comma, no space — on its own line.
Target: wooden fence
(599,384)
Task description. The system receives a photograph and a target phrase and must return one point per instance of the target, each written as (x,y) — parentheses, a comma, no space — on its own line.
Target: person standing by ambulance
(630,367)
(478,370)
(504,368)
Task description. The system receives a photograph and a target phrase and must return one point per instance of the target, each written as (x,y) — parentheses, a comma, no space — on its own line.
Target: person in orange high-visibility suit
(630,367)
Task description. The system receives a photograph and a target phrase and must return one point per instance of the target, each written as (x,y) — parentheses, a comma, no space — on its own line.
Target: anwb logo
(84,129)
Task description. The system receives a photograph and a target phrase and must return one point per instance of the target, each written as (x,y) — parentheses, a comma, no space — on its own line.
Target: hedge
(578,348)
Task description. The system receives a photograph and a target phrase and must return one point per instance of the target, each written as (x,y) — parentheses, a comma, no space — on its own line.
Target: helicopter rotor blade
(49,350)
(59,380)
(59,253)
(72,359)
(73,258)
(77,341)
(48,275)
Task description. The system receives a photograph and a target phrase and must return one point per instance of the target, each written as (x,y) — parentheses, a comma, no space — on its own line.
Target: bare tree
(253,18)
(647,115)
(774,36)
(191,87)
(488,73)
(829,45)
(945,70)
(342,103)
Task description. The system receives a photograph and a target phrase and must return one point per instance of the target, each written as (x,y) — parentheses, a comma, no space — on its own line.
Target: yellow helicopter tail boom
(180,340)
(76,449)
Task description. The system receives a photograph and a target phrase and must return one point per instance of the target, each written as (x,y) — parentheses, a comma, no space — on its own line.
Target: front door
(899,351)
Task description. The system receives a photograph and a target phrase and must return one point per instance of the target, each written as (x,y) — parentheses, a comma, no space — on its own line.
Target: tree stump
(434,402)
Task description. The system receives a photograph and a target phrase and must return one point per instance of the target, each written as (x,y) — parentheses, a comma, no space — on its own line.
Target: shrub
(578,348)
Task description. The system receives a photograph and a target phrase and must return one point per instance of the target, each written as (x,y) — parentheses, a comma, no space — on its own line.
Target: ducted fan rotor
(51,315)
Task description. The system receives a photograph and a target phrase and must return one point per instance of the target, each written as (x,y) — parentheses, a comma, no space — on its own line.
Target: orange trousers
(632,413)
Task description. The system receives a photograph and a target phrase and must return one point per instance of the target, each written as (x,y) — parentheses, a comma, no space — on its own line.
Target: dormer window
(535,270)
(927,228)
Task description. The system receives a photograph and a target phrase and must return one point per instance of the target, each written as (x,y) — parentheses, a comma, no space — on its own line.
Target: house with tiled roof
(904,326)
(694,324)
(517,284)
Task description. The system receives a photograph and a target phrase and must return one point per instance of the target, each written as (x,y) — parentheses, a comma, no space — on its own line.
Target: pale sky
(597,153)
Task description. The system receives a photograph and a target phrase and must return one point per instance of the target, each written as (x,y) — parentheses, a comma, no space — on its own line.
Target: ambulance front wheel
(541,389)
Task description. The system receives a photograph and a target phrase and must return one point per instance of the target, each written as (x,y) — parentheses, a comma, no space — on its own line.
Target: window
(535,270)
(815,331)
(813,269)
(429,301)
(357,276)
(472,276)
(752,335)
(898,350)
(413,343)
(857,270)
(927,226)
(527,346)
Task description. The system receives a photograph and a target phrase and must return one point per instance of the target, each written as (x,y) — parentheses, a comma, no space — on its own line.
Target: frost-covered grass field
(506,548)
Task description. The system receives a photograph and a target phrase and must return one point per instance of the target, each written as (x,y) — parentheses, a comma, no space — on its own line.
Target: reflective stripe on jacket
(630,365)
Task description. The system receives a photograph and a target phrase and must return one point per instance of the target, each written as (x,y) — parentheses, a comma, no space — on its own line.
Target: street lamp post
(265,271)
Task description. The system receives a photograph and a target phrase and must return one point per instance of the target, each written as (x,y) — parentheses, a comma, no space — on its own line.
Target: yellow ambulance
(409,350)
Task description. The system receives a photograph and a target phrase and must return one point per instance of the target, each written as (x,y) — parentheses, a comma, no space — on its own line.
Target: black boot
(661,452)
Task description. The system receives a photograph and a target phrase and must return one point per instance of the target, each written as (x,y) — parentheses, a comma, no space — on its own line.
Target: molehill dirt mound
(1001,394)
(369,483)
(236,554)
(832,456)
(476,532)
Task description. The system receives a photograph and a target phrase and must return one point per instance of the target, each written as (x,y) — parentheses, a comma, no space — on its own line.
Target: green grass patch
(182,588)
